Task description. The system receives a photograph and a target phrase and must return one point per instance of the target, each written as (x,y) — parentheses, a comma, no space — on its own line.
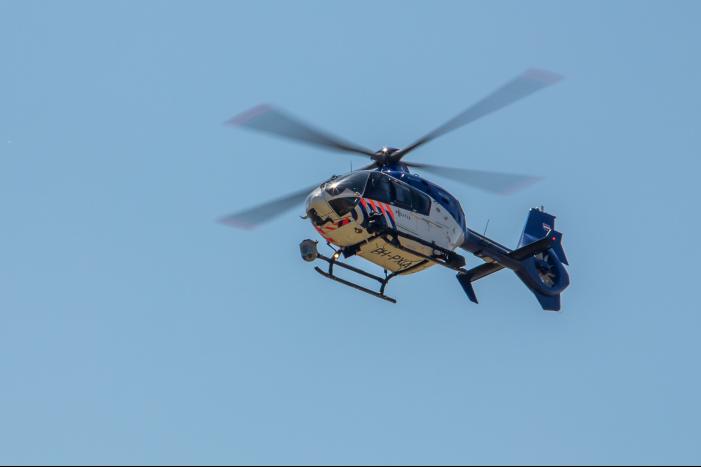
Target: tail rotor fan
(547,269)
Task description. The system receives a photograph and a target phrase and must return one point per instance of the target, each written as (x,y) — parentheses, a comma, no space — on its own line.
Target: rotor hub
(384,155)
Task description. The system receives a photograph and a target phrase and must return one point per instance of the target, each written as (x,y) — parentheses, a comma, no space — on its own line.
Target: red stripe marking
(391,213)
(385,210)
(382,208)
(321,232)
(374,206)
(365,204)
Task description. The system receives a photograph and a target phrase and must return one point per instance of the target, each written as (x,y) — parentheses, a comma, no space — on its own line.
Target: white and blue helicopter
(405,223)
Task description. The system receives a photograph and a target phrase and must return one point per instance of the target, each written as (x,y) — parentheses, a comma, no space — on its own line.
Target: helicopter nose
(317,205)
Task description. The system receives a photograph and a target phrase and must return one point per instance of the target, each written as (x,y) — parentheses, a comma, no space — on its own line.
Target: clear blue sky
(133,328)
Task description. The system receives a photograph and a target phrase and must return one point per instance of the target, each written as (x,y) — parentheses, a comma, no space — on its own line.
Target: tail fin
(538,225)
(543,271)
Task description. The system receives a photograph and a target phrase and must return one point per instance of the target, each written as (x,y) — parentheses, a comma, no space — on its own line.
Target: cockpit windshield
(354,182)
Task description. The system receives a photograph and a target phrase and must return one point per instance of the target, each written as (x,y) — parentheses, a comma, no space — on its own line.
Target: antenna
(351,163)
(486,227)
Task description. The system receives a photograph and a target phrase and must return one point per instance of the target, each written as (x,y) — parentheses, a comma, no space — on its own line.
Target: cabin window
(420,202)
(450,204)
(442,197)
(383,188)
(402,196)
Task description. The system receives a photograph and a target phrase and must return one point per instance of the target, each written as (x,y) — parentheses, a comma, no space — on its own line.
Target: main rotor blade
(492,182)
(257,215)
(522,86)
(269,120)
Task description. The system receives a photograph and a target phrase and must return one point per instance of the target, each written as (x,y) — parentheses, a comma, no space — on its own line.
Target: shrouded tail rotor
(544,273)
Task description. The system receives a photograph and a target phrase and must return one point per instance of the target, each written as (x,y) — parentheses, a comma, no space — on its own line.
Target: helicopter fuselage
(403,222)
(347,212)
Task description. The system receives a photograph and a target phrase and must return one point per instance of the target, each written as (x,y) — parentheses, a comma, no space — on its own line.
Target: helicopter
(404,223)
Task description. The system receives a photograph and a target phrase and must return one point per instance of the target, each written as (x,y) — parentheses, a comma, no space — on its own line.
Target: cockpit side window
(379,188)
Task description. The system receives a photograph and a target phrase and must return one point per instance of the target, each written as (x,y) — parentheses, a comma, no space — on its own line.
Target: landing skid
(442,257)
(333,261)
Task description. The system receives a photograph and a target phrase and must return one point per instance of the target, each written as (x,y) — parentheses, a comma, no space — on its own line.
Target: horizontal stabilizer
(466,283)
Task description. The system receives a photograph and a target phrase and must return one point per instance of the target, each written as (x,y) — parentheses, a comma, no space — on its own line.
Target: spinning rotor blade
(257,215)
(492,182)
(269,120)
(522,86)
